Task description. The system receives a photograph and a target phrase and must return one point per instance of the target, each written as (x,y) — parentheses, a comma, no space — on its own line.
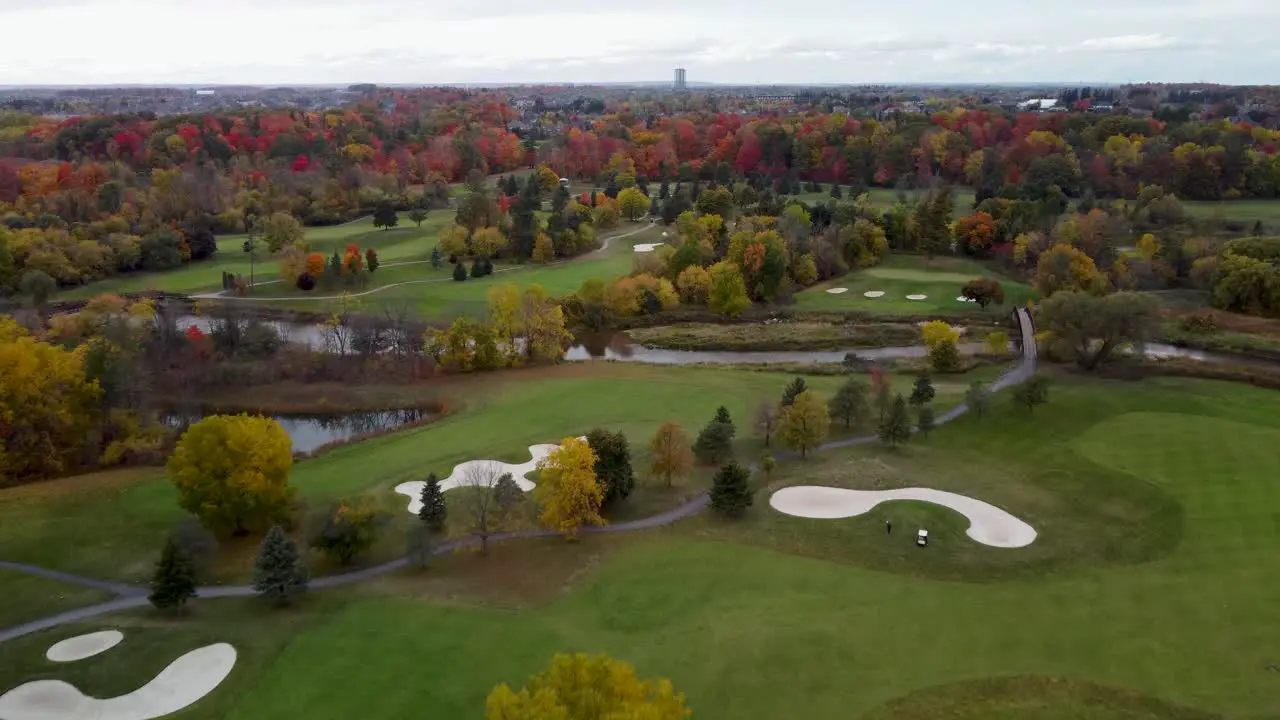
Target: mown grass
(941,279)
(27,597)
(1147,594)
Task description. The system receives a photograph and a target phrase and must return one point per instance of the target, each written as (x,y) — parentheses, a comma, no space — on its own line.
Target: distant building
(681,80)
(1041,104)
(206,92)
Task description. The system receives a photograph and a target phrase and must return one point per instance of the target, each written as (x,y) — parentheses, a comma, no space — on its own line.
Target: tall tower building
(681,83)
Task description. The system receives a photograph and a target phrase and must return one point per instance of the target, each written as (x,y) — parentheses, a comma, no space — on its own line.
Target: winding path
(221,294)
(134,596)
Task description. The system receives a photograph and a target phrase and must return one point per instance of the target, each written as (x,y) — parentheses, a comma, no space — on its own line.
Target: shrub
(306,282)
(347,530)
(1199,323)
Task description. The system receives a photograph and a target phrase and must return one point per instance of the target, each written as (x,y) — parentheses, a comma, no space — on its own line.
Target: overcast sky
(732,41)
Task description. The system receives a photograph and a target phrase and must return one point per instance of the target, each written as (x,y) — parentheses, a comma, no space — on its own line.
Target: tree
(983,291)
(1063,267)
(487,242)
(723,417)
(174,581)
(767,464)
(882,387)
(944,357)
(728,293)
(976,397)
(715,443)
(417,216)
(766,420)
(1095,326)
(976,233)
(896,426)
(232,472)
(279,573)
(544,250)
(730,491)
(670,454)
(436,260)
(348,529)
(385,216)
(37,286)
(925,420)
(1032,392)
(850,402)
(632,203)
(804,424)
(459,272)
(793,390)
(454,240)
(480,513)
(583,687)
(694,284)
(922,392)
(434,512)
(282,230)
(567,488)
(371,260)
(613,464)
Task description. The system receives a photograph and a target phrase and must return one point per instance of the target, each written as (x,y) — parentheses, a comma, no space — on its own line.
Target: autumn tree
(487,242)
(567,489)
(804,424)
(282,230)
(983,291)
(479,512)
(433,511)
(694,283)
(766,420)
(850,403)
(976,233)
(942,342)
(279,573)
(613,464)
(670,453)
(731,491)
(232,472)
(348,529)
(174,580)
(896,426)
(543,249)
(728,293)
(1063,267)
(587,687)
(632,203)
(453,240)
(1095,326)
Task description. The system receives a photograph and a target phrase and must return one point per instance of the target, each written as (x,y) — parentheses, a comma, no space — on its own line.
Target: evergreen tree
(730,491)
(925,420)
(714,444)
(459,272)
(796,387)
(174,581)
(433,512)
(477,268)
(435,257)
(922,392)
(850,402)
(976,397)
(487,266)
(722,416)
(613,464)
(836,192)
(279,573)
(595,199)
(896,427)
(611,190)
(664,191)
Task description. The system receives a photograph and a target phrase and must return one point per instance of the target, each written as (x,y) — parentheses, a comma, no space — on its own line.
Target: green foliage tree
(613,464)
(850,402)
(436,260)
(976,397)
(922,393)
(925,420)
(896,426)
(714,445)
(197,543)
(385,216)
(1095,326)
(348,529)
(731,491)
(793,390)
(722,416)
(174,581)
(434,512)
(945,356)
(728,294)
(1032,392)
(279,573)
(417,216)
(459,272)
(36,286)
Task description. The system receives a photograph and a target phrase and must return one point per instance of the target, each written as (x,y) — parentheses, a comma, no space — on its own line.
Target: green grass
(1268,211)
(28,597)
(1148,594)
(885,198)
(902,275)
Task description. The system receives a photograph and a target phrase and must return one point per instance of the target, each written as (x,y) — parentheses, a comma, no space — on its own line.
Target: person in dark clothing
(888,527)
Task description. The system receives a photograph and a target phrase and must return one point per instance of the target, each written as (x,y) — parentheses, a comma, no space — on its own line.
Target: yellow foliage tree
(728,292)
(545,334)
(567,488)
(488,241)
(622,297)
(804,424)
(232,472)
(694,284)
(548,179)
(293,262)
(452,240)
(584,687)
(671,454)
(936,332)
(605,216)
(633,203)
(46,405)
(1148,246)
(1062,267)
(543,249)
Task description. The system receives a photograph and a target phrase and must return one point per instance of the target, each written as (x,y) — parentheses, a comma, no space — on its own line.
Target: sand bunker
(463,475)
(988,524)
(917,297)
(647,247)
(873,293)
(185,681)
(837,291)
(84,646)
(965,299)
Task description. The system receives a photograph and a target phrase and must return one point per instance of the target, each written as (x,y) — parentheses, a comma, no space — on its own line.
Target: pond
(309,432)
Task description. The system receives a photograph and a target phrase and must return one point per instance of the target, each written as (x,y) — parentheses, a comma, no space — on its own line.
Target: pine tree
(477,268)
(730,492)
(922,392)
(722,416)
(279,573)
(174,581)
(459,272)
(796,387)
(714,444)
(896,427)
(435,257)
(433,512)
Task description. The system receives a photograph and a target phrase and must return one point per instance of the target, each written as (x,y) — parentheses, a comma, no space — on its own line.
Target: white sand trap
(647,247)
(84,646)
(461,475)
(185,681)
(837,291)
(988,524)
(664,234)
(873,294)
(917,297)
(965,299)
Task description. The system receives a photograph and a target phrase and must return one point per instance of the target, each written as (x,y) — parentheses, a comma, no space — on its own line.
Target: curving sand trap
(84,646)
(461,475)
(964,299)
(647,247)
(837,291)
(873,293)
(988,524)
(185,681)
(917,297)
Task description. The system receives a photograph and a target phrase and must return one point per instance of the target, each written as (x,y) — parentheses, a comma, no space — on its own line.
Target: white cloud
(1129,43)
